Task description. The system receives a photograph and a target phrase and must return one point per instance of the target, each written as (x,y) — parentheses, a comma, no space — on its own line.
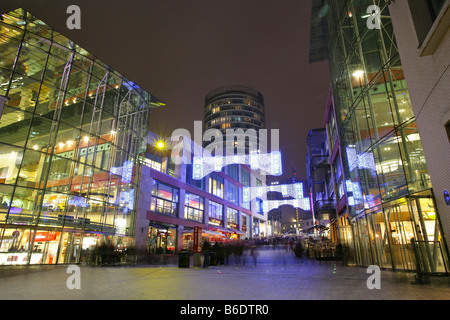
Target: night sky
(179,50)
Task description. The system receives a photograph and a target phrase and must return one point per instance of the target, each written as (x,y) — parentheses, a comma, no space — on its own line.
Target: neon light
(365,160)
(78,202)
(303,204)
(269,162)
(197,169)
(277,167)
(287,190)
(125,171)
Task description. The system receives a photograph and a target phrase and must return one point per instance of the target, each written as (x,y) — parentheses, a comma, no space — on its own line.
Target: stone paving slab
(285,278)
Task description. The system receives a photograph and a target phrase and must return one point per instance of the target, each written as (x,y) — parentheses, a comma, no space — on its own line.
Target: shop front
(400,233)
(162,238)
(210,236)
(28,246)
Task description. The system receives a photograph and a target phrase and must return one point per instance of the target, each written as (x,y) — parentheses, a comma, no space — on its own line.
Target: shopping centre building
(71,132)
(173,201)
(386,211)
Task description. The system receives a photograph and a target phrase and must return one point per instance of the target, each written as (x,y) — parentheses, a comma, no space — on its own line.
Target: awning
(213,233)
(208,232)
(229,230)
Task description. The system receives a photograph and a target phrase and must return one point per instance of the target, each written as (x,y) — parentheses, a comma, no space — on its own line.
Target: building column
(142,223)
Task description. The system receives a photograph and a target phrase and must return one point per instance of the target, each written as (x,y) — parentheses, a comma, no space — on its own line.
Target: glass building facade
(390,201)
(70,137)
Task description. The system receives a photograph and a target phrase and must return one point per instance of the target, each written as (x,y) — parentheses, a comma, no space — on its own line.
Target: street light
(161,145)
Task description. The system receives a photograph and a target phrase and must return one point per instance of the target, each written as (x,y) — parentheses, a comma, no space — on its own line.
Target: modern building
(390,203)
(234,108)
(71,132)
(172,202)
(421,29)
(320,184)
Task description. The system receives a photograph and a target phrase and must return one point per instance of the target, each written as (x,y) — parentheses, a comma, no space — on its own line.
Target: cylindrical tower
(236,107)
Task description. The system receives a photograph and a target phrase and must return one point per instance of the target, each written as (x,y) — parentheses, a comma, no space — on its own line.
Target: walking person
(206,248)
(254,253)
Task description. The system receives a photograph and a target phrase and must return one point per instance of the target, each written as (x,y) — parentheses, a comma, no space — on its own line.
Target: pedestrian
(206,249)
(254,253)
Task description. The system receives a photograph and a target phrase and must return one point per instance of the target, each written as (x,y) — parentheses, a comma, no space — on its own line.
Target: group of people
(229,253)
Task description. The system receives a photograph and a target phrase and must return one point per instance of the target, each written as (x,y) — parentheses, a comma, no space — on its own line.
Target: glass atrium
(70,137)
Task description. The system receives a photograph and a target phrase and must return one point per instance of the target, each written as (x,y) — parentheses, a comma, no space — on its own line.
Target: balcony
(324,209)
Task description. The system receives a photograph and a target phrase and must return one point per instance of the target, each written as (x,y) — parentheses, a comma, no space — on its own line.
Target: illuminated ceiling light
(61,145)
(113,132)
(86,139)
(35,147)
(69,143)
(358,73)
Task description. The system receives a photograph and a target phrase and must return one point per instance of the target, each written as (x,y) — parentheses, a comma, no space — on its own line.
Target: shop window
(232,218)
(216,185)
(259,206)
(193,207)
(164,199)
(232,193)
(245,177)
(215,213)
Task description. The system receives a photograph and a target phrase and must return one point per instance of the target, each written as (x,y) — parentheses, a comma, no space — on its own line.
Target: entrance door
(400,228)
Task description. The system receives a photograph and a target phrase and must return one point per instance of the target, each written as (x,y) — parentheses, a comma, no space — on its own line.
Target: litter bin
(183,259)
(213,259)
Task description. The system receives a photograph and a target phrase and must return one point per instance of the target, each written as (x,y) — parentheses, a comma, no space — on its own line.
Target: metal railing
(431,259)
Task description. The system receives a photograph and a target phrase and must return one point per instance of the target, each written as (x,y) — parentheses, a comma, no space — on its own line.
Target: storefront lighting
(358,73)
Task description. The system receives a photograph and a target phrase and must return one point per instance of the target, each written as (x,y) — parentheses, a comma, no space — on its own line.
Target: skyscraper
(240,109)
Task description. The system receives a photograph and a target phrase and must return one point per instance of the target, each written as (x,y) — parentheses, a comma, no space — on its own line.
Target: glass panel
(45,247)
(15,246)
(10,161)
(14,125)
(401,229)
(5,201)
(380,241)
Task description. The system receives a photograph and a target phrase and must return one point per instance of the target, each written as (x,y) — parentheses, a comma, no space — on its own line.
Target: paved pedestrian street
(277,276)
